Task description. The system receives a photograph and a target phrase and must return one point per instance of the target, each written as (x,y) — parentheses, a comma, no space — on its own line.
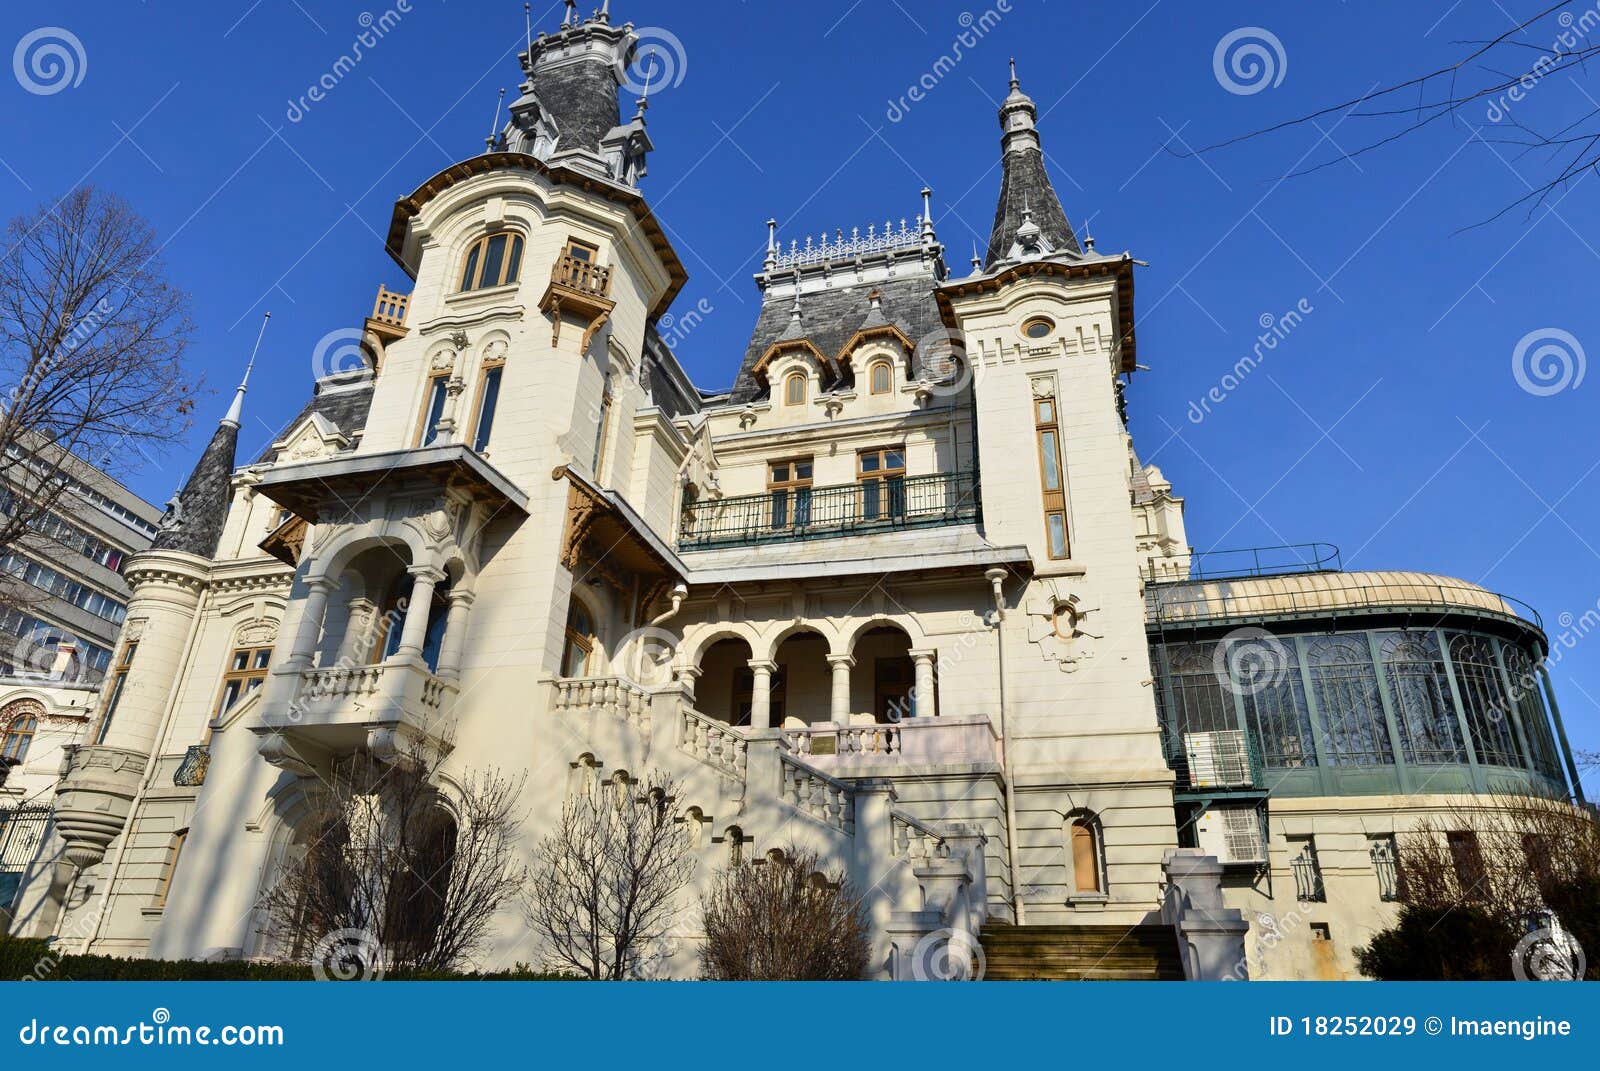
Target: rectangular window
(114,697)
(882,478)
(433,409)
(247,671)
(1307,869)
(601,434)
(1386,864)
(789,489)
(169,866)
(488,398)
(1052,482)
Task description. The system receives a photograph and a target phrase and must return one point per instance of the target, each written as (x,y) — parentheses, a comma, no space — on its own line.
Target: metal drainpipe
(997,579)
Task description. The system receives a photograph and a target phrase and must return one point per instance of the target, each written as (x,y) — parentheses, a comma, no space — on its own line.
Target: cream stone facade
(893,598)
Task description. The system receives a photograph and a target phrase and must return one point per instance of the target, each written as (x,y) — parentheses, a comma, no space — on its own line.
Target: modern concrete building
(904,596)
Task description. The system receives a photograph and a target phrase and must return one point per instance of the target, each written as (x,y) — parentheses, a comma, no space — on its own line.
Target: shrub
(783,919)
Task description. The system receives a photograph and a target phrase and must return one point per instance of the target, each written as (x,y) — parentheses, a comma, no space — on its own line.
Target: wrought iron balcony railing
(191,772)
(822,512)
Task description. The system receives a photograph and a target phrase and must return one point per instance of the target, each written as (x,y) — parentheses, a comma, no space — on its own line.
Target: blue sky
(1389,422)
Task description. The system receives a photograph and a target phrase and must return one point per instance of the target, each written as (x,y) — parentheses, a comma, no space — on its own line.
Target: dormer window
(794,389)
(493,260)
(880,377)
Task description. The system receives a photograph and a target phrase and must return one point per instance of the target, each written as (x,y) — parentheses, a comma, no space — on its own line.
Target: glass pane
(241,659)
(869,462)
(230,695)
(780,509)
(262,658)
(491,395)
(802,470)
(894,459)
(1426,714)
(870,500)
(580,252)
(1047,412)
(1488,706)
(780,473)
(1348,701)
(802,507)
(515,266)
(493,257)
(1057,525)
(1051,457)
(469,274)
(430,430)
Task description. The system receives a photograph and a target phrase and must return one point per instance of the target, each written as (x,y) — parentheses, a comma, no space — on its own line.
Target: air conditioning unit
(1218,759)
(1235,835)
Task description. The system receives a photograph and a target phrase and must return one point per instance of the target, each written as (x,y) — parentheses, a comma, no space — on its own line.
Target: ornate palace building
(904,596)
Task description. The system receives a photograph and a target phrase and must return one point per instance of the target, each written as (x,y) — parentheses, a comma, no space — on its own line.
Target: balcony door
(881,475)
(789,492)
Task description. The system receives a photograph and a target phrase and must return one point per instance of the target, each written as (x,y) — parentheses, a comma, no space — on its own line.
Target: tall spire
(1028,202)
(236,410)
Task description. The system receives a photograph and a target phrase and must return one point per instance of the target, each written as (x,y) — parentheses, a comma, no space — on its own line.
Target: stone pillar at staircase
(1210,934)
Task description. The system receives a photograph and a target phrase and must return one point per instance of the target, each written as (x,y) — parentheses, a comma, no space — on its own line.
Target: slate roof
(831,317)
(582,98)
(196,528)
(347,409)
(1026,184)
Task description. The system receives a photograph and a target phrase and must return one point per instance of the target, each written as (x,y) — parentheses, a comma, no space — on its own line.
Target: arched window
(19,736)
(880,377)
(794,388)
(1084,847)
(494,364)
(579,647)
(493,260)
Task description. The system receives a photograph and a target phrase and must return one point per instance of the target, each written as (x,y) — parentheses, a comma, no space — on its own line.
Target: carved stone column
(424,578)
(455,634)
(761,693)
(318,589)
(840,708)
(927,703)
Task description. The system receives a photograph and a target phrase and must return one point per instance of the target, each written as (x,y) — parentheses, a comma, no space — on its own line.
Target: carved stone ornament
(261,633)
(1043,387)
(497,350)
(1055,625)
(442,359)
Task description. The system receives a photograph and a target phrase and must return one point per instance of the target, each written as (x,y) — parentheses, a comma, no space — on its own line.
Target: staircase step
(1088,953)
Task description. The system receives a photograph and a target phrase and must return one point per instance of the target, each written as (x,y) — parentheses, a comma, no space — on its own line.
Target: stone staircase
(1147,953)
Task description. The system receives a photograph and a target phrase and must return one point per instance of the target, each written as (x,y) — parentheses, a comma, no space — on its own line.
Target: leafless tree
(384,856)
(92,339)
(607,881)
(783,919)
(1485,93)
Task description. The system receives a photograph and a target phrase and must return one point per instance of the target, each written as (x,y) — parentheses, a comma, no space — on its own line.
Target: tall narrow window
(1488,707)
(789,490)
(1466,858)
(1386,865)
(1424,711)
(1085,844)
(1047,426)
(579,647)
(488,398)
(601,433)
(882,476)
(18,737)
(433,409)
(493,260)
(119,677)
(1308,887)
(174,849)
(1348,700)
(880,377)
(794,388)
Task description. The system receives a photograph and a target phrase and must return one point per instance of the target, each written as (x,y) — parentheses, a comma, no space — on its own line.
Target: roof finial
(977,261)
(494,130)
(1015,85)
(236,410)
(571,16)
(1088,239)
(644,97)
(605,11)
(527,21)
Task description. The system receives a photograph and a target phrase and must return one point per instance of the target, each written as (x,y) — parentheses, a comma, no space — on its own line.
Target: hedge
(33,959)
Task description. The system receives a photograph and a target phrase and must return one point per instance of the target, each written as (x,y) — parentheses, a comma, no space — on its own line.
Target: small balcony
(580,289)
(386,325)
(395,709)
(824,512)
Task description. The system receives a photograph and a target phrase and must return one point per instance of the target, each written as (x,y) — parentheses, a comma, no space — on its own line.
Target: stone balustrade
(818,795)
(616,696)
(712,742)
(925,741)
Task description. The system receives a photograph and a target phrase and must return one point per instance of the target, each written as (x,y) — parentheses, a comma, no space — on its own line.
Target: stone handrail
(338,681)
(717,745)
(847,739)
(912,839)
(814,793)
(611,695)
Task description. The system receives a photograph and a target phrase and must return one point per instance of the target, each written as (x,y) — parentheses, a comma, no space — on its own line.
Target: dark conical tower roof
(1026,195)
(195,515)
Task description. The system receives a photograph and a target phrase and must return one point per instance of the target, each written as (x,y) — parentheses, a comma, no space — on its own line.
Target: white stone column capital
(845,660)
(431,573)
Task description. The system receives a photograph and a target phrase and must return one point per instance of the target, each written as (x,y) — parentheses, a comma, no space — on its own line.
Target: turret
(1028,220)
